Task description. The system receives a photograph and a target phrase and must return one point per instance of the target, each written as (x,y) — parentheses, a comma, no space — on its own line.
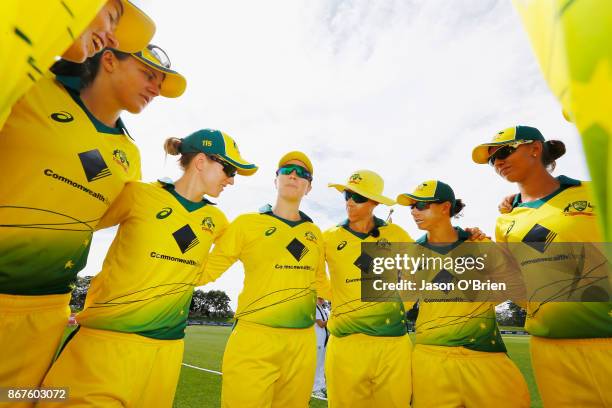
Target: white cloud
(405,88)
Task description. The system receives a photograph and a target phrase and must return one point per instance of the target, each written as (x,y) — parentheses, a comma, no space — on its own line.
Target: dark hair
(86,71)
(551,151)
(172,146)
(459,205)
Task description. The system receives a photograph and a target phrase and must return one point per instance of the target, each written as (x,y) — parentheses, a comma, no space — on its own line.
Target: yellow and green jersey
(155,261)
(572,44)
(62,170)
(284,268)
(346,261)
(454,323)
(567,215)
(32,35)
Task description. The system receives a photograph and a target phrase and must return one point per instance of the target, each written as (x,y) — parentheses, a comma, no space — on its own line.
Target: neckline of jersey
(462,236)
(188,205)
(362,235)
(564,183)
(267,210)
(73,87)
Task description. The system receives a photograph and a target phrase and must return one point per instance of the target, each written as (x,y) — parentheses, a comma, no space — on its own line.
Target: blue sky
(405,88)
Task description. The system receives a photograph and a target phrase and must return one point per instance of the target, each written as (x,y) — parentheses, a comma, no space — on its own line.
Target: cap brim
(374,197)
(134,30)
(174,84)
(243,167)
(409,199)
(481,155)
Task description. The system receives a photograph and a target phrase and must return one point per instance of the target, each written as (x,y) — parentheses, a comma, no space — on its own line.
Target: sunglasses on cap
(300,171)
(229,169)
(423,205)
(357,198)
(160,54)
(505,151)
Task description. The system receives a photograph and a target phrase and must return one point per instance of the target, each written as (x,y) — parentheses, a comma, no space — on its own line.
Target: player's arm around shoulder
(322,283)
(122,205)
(227,249)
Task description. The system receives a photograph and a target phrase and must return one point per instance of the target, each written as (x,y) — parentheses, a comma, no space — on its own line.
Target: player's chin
(78,52)
(136,108)
(216,193)
(511,177)
(421,225)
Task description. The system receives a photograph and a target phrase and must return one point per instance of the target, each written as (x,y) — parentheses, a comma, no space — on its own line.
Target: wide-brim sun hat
(174,84)
(366,183)
(134,30)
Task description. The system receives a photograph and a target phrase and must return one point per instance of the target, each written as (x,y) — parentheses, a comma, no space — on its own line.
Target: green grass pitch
(204,349)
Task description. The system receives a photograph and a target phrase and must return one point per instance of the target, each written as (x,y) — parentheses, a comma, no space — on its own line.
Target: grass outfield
(204,349)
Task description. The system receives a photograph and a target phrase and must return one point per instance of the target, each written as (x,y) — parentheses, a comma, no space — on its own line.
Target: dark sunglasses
(423,205)
(300,171)
(229,169)
(505,151)
(357,198)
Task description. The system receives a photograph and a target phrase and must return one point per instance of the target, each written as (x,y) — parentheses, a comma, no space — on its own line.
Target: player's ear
(200,161)
(108,61)
(308,188)
(447,208)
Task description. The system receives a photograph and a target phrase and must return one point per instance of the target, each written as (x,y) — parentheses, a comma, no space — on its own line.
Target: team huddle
(71,168)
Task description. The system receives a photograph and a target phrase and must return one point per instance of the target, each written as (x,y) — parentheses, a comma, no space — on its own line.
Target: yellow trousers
(31,328)
(368,371)
(268,367)
(103,368)
(451,377)
(573,372)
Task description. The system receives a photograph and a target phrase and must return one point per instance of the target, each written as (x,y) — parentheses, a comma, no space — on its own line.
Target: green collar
(267,210)
(462,237)
(565,182)
(73,86)
(363,235)
(190,206)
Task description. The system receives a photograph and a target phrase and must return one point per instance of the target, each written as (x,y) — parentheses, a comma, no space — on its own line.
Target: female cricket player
(571,342)
(459,358)
(270,357)
(129,346)
(34,34)
(374,331)
(68,155)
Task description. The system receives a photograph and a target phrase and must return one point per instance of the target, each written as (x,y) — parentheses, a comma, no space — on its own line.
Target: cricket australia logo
(310,236)
(581,207)
(355,178)
(120,158)
(383,243)
(94,165)
(208,225)
(422,187)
